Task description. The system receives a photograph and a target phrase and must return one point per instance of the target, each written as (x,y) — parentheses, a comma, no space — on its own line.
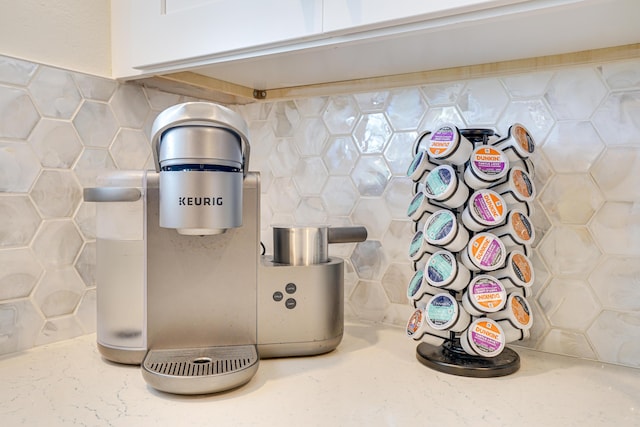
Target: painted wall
(71,34)
(339,160)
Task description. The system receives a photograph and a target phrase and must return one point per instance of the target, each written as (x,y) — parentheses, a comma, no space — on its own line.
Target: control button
(277,296)
(290,288)
(290,303)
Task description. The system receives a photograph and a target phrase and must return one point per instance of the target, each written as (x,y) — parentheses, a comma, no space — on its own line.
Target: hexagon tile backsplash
(337,160)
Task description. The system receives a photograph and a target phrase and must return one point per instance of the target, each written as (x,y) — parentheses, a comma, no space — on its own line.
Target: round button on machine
(277,296)
(290,303)
(290,288)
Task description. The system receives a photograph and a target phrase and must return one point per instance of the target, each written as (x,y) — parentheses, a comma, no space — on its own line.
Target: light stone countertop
(372,379)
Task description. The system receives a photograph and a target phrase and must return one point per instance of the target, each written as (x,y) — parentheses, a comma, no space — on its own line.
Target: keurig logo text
(199,201)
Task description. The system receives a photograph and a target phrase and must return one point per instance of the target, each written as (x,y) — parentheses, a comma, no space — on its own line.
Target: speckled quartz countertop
(372,379)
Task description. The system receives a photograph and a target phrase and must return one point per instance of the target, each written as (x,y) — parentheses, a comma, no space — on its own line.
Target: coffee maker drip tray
(200,370)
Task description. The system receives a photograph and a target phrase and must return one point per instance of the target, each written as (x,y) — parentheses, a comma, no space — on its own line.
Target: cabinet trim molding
(197,85)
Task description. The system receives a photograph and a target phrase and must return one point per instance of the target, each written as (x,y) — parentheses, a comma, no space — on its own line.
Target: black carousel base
(451,359)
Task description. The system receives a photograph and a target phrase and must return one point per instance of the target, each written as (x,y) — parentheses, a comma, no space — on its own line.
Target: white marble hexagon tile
(586,123)
(338,160)
(58,131)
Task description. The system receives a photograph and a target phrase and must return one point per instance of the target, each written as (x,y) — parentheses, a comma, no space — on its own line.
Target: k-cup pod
(443,186)
(526,208)
(418,288)
(420,205)
(447,144)
(511,333)
(518,144)
(485,252)
(485,294)
(419,247)
(485,209)
(527,165)
(516,311)
(518,271)
(443,270)
(419,224)
(517,230)
(484,337)
(487,166)
(518,188)
(420,165)
(421,141)
(444,314)
(421,302)
(443,231)
(419,330)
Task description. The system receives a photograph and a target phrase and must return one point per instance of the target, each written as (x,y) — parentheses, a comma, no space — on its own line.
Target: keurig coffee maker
(182,288)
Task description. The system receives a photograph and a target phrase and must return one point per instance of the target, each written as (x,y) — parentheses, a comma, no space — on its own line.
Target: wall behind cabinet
(338,160)
(73,34)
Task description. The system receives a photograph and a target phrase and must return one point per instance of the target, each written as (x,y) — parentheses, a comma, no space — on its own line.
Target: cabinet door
(170,32)
(348,15)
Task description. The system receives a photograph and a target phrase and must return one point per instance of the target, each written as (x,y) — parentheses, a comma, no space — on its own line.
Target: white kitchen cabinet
(276,44)
(164,32)
(341,15)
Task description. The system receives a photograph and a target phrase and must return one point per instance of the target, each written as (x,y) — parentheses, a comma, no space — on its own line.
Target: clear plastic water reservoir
(120,264)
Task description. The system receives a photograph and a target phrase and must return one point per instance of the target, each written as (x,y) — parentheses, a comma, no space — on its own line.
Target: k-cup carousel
(472,203)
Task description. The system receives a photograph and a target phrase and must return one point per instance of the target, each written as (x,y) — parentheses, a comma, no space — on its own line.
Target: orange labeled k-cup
(518,144)
(487,166)
(485,252)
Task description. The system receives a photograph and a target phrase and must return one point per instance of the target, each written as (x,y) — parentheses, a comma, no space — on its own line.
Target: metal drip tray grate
(200,370)
(196,364)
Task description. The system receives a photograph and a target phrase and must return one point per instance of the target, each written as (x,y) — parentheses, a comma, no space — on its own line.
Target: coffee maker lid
(199,114)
